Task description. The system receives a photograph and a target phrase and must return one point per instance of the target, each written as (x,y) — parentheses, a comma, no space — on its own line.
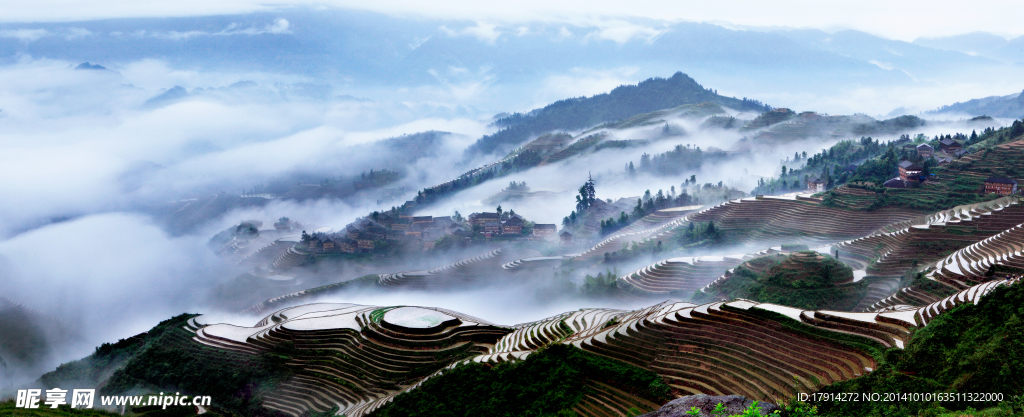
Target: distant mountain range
(980,44)
(496,64)
(1008,106)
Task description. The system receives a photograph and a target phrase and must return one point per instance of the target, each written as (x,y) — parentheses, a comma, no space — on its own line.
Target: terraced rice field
(967,267)
(971,264)
(444,276)
(931,237)
(771,221)
(458,273)
(362,353)
(357,358)
(526,264)
(291,258)
(678,275)
(652,226)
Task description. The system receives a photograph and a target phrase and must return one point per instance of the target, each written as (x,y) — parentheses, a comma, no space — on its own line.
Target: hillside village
(392,228)
(918,162)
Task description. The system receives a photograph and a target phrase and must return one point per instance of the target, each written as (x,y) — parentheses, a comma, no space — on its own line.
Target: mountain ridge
(621,102)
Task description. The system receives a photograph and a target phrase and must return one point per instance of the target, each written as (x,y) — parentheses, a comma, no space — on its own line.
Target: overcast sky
(904,20)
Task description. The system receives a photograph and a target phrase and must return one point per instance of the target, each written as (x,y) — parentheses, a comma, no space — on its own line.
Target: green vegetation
(972,349)
(958,183)
(677,161)
(896,124)
(699,235)
(620,144)
(621,103)
(693,236)
(805,280)
(769,118)
(547,383)
(601,285)
(576,147)
(166,358)
(721,122)
(699,110)
(831,164)
(646,205)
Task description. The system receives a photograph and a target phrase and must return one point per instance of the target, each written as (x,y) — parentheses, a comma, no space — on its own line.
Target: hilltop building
(513,225)
(925,150)
(477,219)
(565,236)
(544,230)
(393,227)
(816,185)
(365,241)
(346,245)
(909,171)
(949,146)
(1000,185)
(492,228)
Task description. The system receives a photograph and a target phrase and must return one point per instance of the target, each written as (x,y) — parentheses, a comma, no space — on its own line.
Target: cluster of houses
(949,150)
(363,235)
(911,173)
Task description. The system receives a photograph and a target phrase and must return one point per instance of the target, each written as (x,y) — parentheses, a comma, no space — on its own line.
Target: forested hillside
(622,102)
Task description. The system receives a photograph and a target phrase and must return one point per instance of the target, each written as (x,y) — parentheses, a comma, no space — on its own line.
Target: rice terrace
(242,209)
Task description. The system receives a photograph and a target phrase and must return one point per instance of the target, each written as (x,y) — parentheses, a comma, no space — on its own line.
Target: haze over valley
(338,210)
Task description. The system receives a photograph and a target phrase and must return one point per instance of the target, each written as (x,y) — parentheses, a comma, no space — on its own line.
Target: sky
(905,20)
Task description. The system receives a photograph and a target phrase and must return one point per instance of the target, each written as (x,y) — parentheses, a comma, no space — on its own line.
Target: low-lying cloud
(485,32)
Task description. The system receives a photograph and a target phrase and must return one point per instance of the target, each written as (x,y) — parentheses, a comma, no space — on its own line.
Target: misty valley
(307,212)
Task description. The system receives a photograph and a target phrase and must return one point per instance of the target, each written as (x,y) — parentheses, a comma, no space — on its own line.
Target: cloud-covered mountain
(488,65)
(984,44)
(1009,106)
